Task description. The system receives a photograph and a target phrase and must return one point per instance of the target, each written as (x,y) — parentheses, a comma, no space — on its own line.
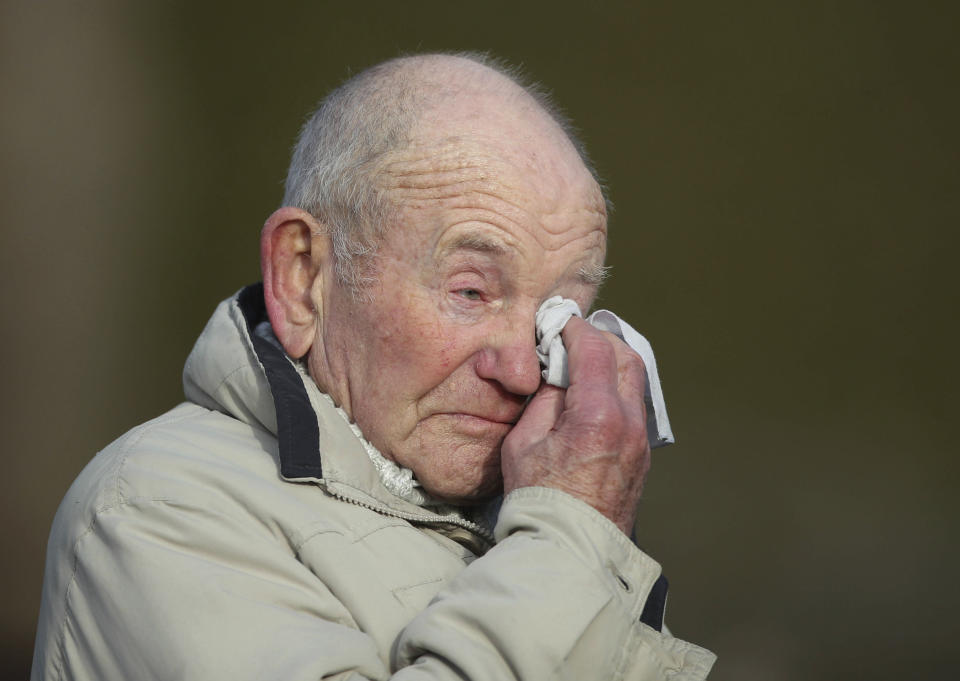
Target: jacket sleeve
(156,589)
(560,596)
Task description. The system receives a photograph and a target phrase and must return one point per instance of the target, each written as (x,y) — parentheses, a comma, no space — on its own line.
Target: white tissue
(553,316)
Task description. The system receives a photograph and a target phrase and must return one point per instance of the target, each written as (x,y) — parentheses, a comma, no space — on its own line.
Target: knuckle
(610,337)
(604,426)
(633,363)
(639,443)
(634,435)
(607,414)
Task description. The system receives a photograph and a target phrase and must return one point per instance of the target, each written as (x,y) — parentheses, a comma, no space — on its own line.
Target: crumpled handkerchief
(552,317)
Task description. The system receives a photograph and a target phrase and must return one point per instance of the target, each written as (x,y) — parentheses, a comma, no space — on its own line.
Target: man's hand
(589,440)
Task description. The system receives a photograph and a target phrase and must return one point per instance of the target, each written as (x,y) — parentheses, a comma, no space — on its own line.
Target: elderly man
(325,504)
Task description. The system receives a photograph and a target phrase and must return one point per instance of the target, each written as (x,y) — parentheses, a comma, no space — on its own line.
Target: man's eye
(470,293)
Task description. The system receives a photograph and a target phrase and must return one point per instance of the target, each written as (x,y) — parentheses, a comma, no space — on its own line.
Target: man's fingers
(592,360)
(538,419)
(601,362)
(544,409)
(631,372)
(631,378)
(598,356)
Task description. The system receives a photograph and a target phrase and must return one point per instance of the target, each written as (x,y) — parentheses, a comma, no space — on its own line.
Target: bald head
(337,172)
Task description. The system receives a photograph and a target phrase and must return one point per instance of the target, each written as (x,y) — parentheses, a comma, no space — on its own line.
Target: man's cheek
(430,343)
(413,357)
(448,352)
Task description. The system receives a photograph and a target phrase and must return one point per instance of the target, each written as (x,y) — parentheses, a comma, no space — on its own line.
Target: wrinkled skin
(436,362)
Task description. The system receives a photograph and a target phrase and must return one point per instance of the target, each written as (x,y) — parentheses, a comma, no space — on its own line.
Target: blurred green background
(786,185)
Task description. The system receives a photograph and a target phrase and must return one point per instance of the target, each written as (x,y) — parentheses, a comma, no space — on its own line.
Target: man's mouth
(505,416)
(480,419)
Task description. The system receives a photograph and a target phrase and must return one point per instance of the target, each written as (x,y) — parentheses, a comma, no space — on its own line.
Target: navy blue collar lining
(298,435)
(656,604)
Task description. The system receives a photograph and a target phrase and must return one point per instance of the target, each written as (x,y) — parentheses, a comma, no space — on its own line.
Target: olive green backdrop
(786,185)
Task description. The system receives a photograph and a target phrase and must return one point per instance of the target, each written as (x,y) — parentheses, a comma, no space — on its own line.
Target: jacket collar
(297,431)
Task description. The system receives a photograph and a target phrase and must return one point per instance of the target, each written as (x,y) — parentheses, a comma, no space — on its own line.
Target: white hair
(333,169)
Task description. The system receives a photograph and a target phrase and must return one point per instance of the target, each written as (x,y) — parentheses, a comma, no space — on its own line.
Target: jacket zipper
(473,527)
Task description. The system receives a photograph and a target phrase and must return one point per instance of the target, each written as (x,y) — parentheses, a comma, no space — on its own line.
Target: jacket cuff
(552,515)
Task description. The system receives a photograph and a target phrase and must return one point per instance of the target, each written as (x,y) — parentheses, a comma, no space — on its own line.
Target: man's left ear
(293,253)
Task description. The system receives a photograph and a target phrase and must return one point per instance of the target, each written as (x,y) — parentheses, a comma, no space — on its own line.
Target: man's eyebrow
(594,274)
(476,242)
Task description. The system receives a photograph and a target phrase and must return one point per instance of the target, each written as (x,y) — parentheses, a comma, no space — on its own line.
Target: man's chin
(467,497)
(462,476)
(455,459)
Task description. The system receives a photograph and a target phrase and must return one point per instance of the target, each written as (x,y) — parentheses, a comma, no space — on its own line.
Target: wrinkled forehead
(533,176)
(538,209)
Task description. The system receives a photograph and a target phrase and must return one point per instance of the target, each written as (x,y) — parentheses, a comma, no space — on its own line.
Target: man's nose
(510,358)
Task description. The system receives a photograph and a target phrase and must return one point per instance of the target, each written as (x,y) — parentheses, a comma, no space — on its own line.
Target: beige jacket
(246,535)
